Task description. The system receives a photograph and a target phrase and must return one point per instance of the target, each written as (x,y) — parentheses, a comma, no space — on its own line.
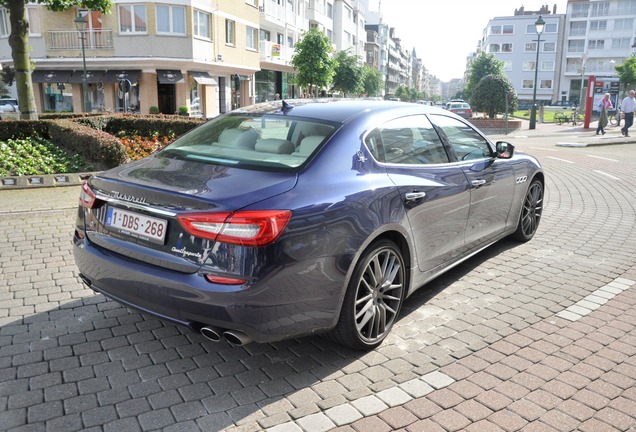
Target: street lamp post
(80,24)
(538,26)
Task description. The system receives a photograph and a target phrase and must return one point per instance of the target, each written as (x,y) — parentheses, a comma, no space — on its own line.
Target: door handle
(477,183)
(414,196)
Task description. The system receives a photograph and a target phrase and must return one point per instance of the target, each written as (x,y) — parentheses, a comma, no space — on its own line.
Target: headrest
(309,144)
(274,145)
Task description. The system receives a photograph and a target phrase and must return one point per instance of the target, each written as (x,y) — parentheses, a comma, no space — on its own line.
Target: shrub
(154,110)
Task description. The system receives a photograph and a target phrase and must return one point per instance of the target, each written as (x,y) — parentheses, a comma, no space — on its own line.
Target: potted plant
(183,110)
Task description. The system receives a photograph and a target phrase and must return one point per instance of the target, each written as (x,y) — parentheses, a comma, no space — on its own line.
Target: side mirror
(505,150)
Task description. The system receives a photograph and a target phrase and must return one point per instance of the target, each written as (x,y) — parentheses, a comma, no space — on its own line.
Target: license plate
(136,225)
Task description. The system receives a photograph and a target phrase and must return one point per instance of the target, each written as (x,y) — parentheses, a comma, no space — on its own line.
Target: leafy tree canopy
(484,64)
(372,81)
(490,94)
(348,74)
(627,72)
(312,60)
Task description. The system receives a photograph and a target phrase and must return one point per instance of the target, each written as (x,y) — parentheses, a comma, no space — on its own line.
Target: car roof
(331,109)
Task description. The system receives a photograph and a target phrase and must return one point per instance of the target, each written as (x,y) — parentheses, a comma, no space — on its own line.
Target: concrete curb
(39,181)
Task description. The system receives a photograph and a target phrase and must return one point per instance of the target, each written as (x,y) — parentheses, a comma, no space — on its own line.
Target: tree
(372,81)
(19,43)
(627,72)
(312,60)
(490,94)
(484,64)
(348,74)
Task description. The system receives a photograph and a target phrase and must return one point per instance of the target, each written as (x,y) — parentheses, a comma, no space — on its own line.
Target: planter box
(496,126)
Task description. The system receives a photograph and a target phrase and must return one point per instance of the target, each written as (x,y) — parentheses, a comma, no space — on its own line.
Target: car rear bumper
(270,309)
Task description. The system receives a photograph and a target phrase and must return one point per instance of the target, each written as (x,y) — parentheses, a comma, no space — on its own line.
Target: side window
(409,140)
(467,143)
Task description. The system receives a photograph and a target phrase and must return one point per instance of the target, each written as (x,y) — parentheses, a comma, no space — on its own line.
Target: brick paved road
(538,336)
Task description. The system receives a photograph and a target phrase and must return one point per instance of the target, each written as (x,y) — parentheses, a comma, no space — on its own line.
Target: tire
(559,118)
(531,210)
(612,120)
(373,299)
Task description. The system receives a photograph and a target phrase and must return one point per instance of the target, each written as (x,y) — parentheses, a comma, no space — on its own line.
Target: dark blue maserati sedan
(295,217)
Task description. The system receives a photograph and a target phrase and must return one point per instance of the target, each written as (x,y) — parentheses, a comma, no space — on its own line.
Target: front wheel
(559,118)
(531,210)
(373,299)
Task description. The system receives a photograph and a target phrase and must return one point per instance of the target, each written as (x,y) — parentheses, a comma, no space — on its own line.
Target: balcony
(70,39)
(275,53)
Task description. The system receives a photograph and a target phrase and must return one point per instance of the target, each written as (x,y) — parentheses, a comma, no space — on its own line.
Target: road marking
(606,175)
(604,158)
(596,299)
(567,144)
(562,160)
(546,149)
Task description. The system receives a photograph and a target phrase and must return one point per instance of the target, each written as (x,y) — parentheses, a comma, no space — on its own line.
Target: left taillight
(248,228)
(87,197)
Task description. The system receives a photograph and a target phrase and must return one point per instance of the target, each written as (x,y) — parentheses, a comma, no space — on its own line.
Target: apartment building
(599,34)
(514,40)
(147,54)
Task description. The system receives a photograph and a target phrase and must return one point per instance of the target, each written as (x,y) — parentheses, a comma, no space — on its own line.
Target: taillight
(249,228)
(87,197)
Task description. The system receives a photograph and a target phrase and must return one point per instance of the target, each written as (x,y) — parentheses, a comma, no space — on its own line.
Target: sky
(445,32)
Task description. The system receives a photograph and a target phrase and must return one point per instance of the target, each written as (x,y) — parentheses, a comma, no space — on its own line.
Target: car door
(491,180)
(435,193)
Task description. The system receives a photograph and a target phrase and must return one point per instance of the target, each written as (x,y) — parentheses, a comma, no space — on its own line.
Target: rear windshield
(459,106)
(268,141)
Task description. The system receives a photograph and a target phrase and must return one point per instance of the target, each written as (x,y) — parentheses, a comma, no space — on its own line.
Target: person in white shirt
(628,106)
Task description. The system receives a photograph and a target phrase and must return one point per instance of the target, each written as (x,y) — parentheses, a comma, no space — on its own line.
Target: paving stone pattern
(538,336)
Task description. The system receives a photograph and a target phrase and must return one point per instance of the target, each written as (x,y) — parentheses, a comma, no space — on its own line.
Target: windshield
(260,141)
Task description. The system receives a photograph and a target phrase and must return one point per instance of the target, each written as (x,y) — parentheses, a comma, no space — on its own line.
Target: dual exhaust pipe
(233,337)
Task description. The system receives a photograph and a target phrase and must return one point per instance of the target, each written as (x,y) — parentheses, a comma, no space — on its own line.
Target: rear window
(268,141)
(460,106)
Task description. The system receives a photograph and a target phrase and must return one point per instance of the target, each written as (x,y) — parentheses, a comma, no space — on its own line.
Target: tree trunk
(19,43)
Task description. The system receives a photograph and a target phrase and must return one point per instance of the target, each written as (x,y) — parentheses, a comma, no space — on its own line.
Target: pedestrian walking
(628,106)
(604,105)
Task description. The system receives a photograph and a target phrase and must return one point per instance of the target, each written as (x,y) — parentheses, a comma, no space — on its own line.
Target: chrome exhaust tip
(211,333)
(236,338)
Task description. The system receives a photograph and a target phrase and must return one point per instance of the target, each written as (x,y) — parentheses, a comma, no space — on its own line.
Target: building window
(201,24)
(545,84)
(251,37)
(290,41)
(627,7)
(600,9)
(230,36)
(495,30)
(578,28)
(550,28)
(576,45)
(531,47)
(620,43)
(596,44)
(507,47)
(34,21)
(598,25)
(527,84)
(546,66)
(171,19)
(330,10)
(549,46)
(507,66)
(579,10)
(132,18)
(4,23)
(494,48)
(529,65)
(624,23)
(508,29)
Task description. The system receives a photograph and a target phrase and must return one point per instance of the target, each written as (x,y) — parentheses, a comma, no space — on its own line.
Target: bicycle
(574,117)
(614,119)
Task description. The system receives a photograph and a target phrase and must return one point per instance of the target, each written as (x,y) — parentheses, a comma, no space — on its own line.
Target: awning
(203,78)
(91,76)
(169,76)
(50,76)
(113,76)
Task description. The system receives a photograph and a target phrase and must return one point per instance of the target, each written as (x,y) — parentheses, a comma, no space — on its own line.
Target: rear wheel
(531,210)
(374,297)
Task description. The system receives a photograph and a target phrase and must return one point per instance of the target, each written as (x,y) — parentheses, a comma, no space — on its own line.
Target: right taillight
(248,228)
(87,197)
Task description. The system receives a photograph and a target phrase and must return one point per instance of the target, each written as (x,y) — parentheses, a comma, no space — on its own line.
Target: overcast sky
(445,32)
